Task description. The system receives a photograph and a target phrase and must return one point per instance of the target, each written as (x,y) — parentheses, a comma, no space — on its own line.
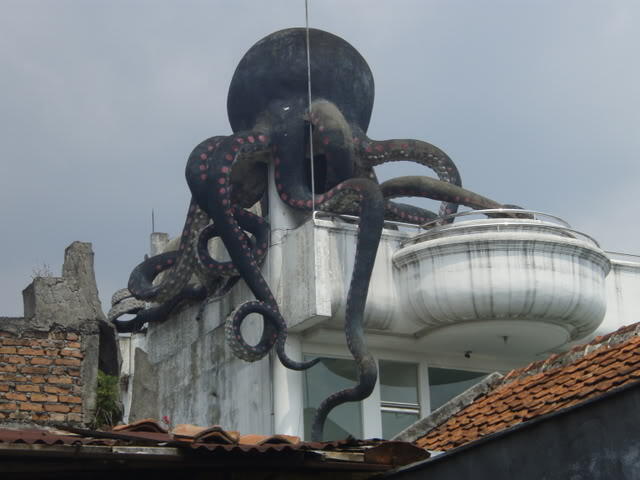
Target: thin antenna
(153,222)
(313,180)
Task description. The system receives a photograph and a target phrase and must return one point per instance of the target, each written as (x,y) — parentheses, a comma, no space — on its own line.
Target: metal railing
(319,215)
(512,212)
(500,217)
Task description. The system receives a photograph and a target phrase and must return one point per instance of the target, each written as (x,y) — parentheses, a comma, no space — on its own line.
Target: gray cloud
(537,102)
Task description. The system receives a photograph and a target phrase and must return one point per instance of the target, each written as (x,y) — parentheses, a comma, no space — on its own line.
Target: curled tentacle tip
(294,365)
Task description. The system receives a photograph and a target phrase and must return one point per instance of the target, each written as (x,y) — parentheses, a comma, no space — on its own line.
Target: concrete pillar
(157,242)
(287,384)
(288,392)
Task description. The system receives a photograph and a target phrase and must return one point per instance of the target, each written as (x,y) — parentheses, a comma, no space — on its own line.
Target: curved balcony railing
(623,257)
(500,219)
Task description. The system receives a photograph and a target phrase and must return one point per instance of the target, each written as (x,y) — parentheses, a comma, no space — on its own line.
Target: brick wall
(40,377)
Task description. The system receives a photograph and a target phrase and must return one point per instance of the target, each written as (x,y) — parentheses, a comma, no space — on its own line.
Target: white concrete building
(446,306)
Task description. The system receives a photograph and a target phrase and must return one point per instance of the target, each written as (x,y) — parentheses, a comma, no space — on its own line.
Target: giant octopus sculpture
(269,112)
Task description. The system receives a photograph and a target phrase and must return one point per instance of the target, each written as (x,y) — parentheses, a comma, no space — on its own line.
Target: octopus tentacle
(369,232)
(403,212)
(122,302)
(213,193)
(154,314)
(331,139)
(182,263)
(142,277)
(432,188)
(394,211)
(248,222)
(333,135)
(276,335)
(375,152)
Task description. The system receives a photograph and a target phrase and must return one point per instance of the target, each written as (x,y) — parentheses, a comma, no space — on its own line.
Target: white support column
(371,415)
(287,384)
(424,396)
(288,393)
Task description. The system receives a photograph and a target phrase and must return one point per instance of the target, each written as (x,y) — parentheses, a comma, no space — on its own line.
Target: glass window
(444,384)
(399,402)
(395,422)
(325,378)
(398,382)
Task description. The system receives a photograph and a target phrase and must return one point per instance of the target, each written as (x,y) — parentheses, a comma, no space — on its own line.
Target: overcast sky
(538,103)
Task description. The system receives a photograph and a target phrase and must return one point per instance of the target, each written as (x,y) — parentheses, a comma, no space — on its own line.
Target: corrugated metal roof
(30,436)
(191,445)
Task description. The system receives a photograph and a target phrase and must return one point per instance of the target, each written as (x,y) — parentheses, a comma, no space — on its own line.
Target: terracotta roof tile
(560,381)
(214,434)
(144,425)
(269,439)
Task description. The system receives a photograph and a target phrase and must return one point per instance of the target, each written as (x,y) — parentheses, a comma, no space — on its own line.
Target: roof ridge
(458,403)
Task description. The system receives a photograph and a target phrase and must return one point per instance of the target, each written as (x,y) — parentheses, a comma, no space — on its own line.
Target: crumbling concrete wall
(49,358)
(186,373)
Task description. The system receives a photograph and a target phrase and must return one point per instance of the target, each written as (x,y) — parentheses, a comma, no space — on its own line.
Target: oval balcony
(502,286)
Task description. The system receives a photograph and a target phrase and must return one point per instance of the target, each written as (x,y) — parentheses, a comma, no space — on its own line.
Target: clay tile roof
(269,439)
(144,425)
(214,434)
(560,381)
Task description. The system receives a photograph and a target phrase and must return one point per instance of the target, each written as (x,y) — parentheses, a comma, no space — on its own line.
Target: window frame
(303,434)
(438,366)
(372,406)
(401,407)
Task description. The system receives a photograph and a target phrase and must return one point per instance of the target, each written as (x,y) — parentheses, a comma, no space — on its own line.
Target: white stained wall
(623,293)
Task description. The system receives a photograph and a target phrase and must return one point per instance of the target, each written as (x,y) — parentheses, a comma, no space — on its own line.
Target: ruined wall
(49,358)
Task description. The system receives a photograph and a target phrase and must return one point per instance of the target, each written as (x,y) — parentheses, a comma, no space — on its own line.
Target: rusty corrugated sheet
(379,452)
(44,437)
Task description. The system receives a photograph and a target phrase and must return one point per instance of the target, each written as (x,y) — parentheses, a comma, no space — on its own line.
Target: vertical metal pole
(313,180)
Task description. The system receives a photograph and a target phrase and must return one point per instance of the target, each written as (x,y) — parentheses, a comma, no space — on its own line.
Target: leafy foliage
(108,410)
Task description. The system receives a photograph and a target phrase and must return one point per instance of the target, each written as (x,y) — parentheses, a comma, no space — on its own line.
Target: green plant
(108,410)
